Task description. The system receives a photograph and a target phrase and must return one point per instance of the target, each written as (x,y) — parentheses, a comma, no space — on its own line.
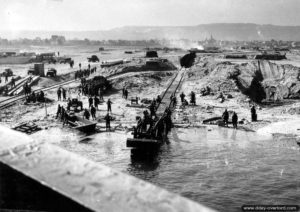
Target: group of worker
(234,118)
(152,127)
(33,97)
(184,102)
(85,72)
(5,78)
(91,89)
(61,92)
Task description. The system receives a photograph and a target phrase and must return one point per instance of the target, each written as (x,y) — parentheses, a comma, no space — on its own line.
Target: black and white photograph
(149,105)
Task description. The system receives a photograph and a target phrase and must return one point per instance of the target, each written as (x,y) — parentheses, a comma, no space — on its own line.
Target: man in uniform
(58,94)
(225,117)
(182,95)
(107,121)
(108,105)
(93,112)
(234,120)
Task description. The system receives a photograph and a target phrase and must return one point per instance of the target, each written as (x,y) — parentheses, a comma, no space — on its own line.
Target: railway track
(170,90)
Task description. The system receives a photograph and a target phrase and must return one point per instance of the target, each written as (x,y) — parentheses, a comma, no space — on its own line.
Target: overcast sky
(107,14)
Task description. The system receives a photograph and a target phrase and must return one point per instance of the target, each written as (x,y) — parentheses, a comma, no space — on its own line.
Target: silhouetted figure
(107,121)
(182,96)
(234,120)
(253,114)
(123,92)
(193,98)
(225,117)
(96,101)
(86,114)
(93,112)
(58,112)
(90,101)
(126,94)
(13,82)
(109,105)
(58,94)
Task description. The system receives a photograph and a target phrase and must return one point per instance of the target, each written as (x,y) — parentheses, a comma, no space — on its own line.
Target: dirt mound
(48,81)
(142,81)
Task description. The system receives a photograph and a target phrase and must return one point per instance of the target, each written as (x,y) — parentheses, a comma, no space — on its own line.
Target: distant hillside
(219,31)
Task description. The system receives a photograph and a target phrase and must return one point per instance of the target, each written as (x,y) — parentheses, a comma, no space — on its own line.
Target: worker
(13,82)
(174,100)
(253,114)
(107,121)
(158,99)
(225,117)
(80,66)
(62,114)
(126,94)
(93,112)
(123,92)
(58,113)
(6,77)
(58,94)
(66,118)
(152,109)
(182,96)
(64,93)
(90,101)
(96,102)
(108,105)
(193,98)
(86,114)
(234,120)
(42,96)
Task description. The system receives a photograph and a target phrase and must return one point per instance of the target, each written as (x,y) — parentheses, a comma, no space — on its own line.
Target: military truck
(38,69)
(93,59)
(51,72)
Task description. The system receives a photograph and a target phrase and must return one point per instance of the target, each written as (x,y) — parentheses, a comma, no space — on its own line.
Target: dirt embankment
(259,80)
(138,65)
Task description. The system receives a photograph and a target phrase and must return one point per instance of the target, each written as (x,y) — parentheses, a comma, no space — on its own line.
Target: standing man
(80,66)
(90,101)
(64,93)
(225,117)
(6,77)
(193,98)
(253,114)
(58,94)
(234,120)
(93,112)
(108,105)
(126,94)
(96,102)
(182,96)
(123,92)
(13,82)
(107,121)
(86,114)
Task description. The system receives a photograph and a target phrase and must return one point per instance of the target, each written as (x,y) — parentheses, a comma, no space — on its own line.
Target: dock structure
(171,90)
(40,176)
(153,137)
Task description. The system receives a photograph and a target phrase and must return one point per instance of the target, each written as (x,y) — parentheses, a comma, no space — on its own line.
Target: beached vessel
(14,58)
(81,124)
